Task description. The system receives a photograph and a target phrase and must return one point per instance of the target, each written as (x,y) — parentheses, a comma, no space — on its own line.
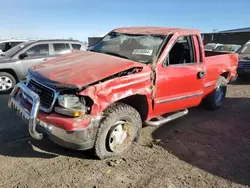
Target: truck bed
(217,61)
(213,53)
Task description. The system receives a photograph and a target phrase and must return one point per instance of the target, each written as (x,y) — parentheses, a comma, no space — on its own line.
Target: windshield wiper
(115,54)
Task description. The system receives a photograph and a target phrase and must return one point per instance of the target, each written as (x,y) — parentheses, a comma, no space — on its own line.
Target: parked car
(5,45)
(244,60)
(211,46)
(99,98)
(230,48)
(14,63)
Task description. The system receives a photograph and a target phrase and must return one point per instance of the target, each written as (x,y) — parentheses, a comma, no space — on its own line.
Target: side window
(38,50)
(182,52)
(7,46)
(61,48)
(76,46)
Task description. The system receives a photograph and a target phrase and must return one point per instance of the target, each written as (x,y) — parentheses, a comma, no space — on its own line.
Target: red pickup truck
(98,99)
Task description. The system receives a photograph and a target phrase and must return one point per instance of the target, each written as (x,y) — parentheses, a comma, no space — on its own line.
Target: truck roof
(153,30)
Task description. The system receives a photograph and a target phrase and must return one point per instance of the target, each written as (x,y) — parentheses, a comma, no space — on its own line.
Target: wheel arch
(225,74)
(138,102)
(10,71)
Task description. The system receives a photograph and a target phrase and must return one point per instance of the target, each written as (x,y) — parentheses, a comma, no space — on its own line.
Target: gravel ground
(202,149)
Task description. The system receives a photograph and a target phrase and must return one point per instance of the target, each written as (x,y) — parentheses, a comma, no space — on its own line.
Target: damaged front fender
(106,93)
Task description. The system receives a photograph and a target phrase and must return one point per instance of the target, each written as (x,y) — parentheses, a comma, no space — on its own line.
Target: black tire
(211,101)
(13,81)
(113,114)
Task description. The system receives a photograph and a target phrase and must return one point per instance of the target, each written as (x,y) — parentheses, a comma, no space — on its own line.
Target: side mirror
(23,55)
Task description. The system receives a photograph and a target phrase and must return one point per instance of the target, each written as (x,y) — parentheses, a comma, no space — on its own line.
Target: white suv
(5,45)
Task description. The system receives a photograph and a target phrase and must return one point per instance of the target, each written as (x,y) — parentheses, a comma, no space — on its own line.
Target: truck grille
(47,95)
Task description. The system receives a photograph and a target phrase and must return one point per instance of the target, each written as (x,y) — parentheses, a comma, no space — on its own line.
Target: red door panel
(179,86)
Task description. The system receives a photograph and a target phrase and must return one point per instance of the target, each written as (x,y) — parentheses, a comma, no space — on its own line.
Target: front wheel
(117,131)
(7,82)
(215,100)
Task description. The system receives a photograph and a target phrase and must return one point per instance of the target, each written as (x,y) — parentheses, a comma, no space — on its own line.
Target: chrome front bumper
(22,112)
(79,140)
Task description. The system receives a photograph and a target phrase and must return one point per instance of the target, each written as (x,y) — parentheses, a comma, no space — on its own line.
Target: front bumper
(41,124)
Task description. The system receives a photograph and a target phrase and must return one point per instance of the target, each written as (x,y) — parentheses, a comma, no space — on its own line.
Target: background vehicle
(145,72)
(5,45)
(14,63)
(227,48)
(211,46)
(244,60)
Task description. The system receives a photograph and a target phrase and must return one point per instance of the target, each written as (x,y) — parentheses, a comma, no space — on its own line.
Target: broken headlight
(70,105)
(69,101)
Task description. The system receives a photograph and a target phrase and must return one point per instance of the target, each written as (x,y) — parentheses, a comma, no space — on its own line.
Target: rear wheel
(215,100)
(7,82)
(119,128)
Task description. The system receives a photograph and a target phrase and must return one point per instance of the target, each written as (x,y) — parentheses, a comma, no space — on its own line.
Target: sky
(81,19)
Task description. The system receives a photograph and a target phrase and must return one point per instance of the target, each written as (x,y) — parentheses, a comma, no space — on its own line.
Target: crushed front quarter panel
(106,93)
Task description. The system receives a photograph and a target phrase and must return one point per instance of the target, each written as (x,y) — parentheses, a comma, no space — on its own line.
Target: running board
(167,119)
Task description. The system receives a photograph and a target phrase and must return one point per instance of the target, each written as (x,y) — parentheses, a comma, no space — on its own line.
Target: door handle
(201,74)
(45,59)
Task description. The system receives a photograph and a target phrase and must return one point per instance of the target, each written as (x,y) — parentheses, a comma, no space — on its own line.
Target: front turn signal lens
(77,113)
(69,112)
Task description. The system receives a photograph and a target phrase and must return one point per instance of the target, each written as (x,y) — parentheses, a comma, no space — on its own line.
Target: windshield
(245,49)
(141,48)
(15,49)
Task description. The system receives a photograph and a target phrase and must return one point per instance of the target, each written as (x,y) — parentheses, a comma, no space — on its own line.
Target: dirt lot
(203,149)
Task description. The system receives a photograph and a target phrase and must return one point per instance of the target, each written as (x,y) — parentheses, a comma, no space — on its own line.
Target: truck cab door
(180,78)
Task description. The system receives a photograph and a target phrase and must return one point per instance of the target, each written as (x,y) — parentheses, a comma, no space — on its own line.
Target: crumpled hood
(81,68)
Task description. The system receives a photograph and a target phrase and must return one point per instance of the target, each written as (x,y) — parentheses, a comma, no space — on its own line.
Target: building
(234,36)
(93,40)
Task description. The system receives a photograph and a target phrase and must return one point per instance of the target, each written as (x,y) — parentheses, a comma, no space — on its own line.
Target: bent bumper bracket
(23,112)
